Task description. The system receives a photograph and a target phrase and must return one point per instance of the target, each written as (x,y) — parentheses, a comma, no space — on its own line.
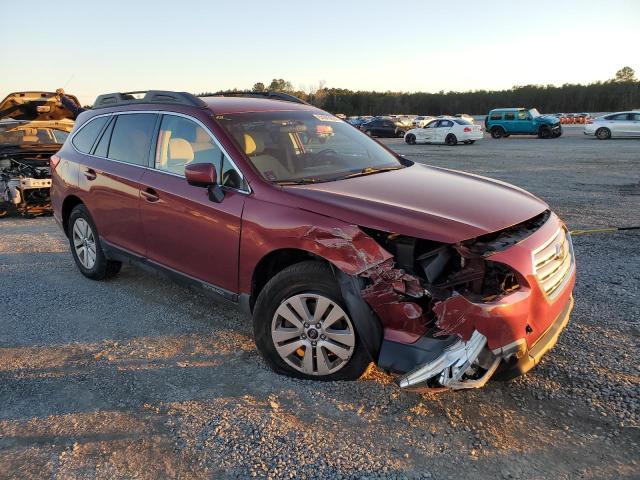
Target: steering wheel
(328,152)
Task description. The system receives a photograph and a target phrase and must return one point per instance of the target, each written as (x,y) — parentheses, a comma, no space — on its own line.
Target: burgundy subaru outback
(342,251)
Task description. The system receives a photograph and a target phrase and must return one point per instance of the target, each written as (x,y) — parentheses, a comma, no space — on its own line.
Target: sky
(90,47)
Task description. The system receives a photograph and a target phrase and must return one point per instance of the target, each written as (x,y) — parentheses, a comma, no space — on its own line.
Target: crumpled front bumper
(461,358)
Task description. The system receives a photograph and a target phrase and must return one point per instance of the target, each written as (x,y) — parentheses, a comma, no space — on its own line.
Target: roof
(223,105)
(507,109)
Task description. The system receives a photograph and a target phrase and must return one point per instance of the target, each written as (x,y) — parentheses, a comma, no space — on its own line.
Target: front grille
(553,263)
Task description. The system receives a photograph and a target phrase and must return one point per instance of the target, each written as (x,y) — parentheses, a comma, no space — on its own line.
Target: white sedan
(621,124)
(445,130)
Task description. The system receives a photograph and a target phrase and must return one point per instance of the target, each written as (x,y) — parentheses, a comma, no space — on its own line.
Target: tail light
(467,129)
(54,161)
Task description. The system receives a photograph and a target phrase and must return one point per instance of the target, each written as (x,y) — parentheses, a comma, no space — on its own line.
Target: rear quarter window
(496,116)
(86,136)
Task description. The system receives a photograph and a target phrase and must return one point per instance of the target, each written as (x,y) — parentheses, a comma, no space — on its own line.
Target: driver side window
(182,141)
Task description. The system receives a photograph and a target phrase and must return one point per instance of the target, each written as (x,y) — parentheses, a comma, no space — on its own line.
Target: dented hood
(424,202)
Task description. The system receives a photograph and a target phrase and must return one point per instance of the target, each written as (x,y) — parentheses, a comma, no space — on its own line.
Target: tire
(400,134)
(85,246)
(603,133)
(451,140)
(544,132)
(410,139)
(497,132)
(304,284)
(471,142)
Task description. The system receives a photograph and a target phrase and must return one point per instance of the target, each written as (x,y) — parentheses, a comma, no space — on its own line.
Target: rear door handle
(90,173)
(150,195)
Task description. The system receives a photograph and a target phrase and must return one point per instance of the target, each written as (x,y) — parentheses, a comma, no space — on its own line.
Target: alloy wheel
(313,334)
(84,243)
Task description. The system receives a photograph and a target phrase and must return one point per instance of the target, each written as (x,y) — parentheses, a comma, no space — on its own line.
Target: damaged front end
(25,183)
(455,315)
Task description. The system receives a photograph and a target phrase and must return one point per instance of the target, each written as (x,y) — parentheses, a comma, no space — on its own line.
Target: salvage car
(615,125)
(33,126)
(342,251)
(445,130)
(503,122)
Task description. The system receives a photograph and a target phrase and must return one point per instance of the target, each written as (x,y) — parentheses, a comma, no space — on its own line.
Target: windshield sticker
(327,118)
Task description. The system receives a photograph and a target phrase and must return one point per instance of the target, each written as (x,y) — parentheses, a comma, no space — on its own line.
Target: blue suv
(502,122)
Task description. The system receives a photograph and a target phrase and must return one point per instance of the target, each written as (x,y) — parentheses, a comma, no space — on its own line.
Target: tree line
(619,93)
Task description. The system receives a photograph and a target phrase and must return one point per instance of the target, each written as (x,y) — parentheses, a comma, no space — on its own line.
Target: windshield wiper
(370,171)
(297,181)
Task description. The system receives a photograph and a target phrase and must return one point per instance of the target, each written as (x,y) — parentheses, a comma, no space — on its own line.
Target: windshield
(18,135)
(305,146)
(534,113)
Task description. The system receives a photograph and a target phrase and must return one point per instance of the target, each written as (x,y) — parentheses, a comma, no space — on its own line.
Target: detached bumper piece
(461,359)
(464,365)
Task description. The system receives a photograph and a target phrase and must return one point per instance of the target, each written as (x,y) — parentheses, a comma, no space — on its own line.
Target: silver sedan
(620,124)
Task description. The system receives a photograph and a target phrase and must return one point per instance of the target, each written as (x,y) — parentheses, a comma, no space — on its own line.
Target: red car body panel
(224,243)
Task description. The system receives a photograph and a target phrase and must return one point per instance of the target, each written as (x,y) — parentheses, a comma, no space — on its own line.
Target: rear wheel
(410,139)
(497,132)
(400,133)
(603,134)
(451,140)
(85,246)
(302,328)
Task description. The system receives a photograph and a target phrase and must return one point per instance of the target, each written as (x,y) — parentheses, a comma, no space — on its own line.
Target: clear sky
(94,47)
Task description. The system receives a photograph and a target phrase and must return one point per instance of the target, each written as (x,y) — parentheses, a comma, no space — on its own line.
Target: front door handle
(150,195)
(90,173)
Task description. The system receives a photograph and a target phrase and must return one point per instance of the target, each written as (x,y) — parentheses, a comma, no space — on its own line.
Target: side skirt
(125,256)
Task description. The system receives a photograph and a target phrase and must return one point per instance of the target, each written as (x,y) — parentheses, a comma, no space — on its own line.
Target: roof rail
(151,96)
(268,94)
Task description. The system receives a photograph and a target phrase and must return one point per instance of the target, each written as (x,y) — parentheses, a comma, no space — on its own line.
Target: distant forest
(620,93)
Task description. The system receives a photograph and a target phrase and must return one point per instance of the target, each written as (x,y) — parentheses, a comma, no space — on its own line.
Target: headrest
(253,144)
(180,149)
(30,138)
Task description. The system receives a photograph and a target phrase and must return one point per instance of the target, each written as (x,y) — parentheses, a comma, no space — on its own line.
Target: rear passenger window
(496,116)
(509,116)
(131,138)
(86,136)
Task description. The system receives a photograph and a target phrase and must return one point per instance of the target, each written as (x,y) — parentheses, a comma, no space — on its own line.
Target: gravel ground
(140,378)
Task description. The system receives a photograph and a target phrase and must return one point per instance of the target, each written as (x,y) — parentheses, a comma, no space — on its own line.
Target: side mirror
(205,175)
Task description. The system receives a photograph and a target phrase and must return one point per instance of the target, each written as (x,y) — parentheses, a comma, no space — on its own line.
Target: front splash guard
(449,367)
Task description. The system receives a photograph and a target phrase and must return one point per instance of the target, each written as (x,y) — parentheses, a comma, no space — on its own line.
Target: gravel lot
(140,378)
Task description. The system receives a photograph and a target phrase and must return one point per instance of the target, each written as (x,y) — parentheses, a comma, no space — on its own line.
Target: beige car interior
(268,166)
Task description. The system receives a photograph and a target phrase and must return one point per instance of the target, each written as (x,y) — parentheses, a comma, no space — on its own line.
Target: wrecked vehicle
(342,251)
(33,126)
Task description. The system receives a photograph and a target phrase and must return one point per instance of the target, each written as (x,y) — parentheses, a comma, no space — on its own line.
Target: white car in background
(449,130)
(421,121)
(620,124)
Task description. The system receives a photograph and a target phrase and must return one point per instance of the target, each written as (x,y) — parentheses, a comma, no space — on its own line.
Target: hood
(31,106)
(419,201)
(547,119)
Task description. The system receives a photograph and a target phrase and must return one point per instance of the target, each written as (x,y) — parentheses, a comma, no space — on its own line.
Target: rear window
(460,121)
(131,138)
(618,116)
(496,116)
(86,137)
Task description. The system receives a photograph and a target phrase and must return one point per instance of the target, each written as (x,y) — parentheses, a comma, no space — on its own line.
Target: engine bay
(25,183)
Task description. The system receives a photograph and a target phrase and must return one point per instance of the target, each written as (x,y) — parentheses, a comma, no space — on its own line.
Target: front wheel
(302,328)
(544,132)
(603,134)
(410,139)
(85,246)
(451,140)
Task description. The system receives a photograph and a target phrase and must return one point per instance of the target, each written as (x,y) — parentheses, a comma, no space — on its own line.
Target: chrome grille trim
(553,263)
